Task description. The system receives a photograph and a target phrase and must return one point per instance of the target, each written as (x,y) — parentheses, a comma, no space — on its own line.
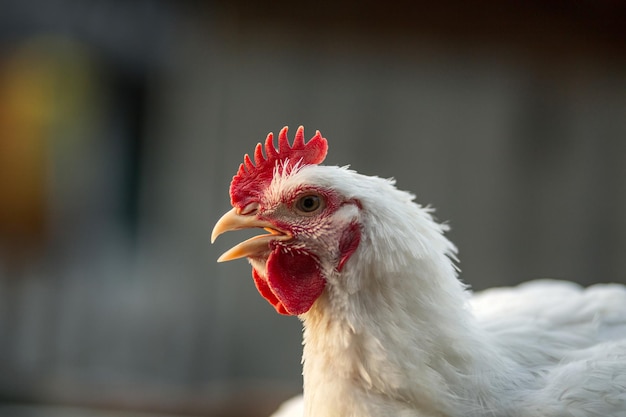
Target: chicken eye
(309,203)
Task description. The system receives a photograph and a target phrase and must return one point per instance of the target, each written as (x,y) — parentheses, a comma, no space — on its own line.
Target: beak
(257,245)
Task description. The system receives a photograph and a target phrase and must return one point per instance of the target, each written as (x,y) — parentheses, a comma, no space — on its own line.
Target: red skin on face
(294,278)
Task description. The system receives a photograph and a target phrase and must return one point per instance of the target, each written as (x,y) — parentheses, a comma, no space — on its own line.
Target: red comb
(252,178)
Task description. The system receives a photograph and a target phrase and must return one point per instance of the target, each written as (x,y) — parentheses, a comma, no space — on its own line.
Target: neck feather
(392,334)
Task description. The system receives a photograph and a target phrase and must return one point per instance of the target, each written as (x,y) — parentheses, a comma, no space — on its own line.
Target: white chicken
(389,330)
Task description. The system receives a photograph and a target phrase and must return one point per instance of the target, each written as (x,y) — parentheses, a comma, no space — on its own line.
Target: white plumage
(395,333)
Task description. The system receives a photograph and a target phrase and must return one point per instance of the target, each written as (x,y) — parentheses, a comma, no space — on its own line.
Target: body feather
(397,334)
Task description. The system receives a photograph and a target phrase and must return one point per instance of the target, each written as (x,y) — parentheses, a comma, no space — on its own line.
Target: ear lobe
(350,239)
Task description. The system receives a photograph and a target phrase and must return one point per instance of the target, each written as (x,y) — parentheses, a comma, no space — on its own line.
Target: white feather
(291,408)
(397,334)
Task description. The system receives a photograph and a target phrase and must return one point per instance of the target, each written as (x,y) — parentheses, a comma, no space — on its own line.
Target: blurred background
(122,122)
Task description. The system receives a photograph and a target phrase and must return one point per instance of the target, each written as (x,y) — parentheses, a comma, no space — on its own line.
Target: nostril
(249,209)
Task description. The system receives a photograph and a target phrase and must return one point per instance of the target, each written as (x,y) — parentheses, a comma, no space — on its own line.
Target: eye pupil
(309,203)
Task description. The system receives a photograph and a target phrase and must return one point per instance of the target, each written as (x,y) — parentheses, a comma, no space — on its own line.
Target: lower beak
(255,246)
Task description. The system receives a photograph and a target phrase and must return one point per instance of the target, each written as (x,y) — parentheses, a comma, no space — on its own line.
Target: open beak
(255,246)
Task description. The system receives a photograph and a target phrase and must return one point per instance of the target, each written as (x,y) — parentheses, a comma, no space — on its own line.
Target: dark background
(122,122)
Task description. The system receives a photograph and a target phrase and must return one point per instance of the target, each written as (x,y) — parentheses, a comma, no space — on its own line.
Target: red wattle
(266,292)
(294,282)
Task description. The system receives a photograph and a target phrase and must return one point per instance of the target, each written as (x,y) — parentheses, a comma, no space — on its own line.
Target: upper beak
(257,245)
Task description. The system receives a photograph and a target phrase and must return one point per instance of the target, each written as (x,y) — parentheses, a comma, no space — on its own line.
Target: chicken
(389,329)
